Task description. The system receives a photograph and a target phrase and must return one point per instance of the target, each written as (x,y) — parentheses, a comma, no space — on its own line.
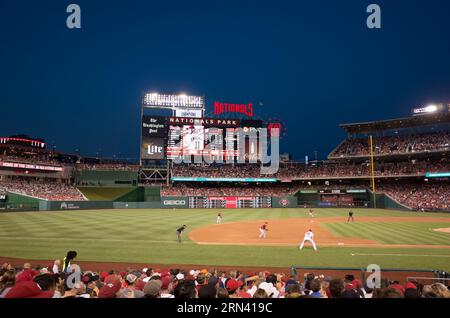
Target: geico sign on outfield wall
(174,202)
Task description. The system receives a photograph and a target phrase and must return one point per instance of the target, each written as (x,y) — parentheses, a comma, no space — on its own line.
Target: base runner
(263,230)
(308,238)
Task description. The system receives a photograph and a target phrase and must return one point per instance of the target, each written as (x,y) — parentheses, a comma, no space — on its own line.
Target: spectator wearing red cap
(166,287)
(398,287)
(233,286)
(111,287)
(90,280)
(103,275)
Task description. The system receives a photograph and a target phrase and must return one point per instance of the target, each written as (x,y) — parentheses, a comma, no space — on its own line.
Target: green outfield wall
(284,202)
(74,205)
(16,201)
(107,178)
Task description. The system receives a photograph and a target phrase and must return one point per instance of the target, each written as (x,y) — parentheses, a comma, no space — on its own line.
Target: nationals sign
(246,109)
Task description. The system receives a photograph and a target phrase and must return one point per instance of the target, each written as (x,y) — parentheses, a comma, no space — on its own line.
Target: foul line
(175,241)
(398,255)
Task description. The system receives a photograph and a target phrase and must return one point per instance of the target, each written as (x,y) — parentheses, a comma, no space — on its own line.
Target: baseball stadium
(224,152)
(187,210)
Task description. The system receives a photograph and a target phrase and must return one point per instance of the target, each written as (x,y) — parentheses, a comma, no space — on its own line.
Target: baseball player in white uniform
(309,238)
(219,218)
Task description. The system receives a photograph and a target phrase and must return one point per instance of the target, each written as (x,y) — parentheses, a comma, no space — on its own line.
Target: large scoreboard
(211,139)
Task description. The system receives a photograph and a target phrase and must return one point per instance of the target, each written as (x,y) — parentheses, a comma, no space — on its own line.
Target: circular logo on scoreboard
(276,127)
(284,202)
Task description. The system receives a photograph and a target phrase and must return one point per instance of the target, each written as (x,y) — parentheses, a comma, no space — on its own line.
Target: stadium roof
(400,123)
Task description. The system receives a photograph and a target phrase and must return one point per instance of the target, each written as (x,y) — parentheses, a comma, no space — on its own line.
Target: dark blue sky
(314,64)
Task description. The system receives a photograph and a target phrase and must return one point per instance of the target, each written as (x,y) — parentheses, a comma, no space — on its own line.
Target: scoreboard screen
(212,138)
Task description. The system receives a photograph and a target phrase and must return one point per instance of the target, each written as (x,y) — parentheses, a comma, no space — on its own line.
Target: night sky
(315,64)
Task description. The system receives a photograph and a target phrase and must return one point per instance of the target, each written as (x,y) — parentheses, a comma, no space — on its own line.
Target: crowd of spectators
(328,169)
(52,282)
(419,196)
(218,171)
(390,145)
(40,159)
(42,189)
(107,166)
(49,158)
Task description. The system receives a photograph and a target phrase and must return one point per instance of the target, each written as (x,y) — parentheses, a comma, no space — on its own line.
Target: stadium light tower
(372,172)
(431,108)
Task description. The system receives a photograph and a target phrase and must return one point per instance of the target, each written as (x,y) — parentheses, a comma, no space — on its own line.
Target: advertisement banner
(356,191)
(206,122)
(437,174)
(231,203)
(174,202)
(245,109)
(30,166)
(190,113)
(154,126)
(153,148)
(284,202)
(74,205)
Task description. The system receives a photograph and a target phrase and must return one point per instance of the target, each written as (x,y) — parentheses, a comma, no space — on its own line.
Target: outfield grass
(148,236)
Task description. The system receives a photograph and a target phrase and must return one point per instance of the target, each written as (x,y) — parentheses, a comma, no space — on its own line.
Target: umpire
(179,231)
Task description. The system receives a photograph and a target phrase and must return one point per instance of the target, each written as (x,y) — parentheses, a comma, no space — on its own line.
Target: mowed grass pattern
(393,232)
(148,236)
